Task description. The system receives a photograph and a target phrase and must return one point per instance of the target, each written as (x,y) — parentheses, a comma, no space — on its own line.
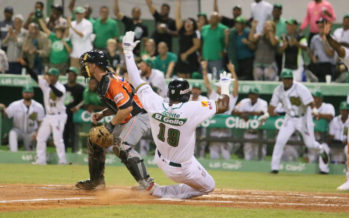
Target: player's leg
(250,149)
(27,141)
(214,148)
(130,134)
(13,139)
(345,186)
(43,134)
(57,125)
(324,167)
(284,134)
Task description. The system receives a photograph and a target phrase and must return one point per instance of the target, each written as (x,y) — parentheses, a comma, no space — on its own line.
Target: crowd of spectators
(260,45)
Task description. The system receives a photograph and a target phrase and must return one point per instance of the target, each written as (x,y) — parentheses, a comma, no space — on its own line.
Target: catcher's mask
(179,90)
(95,56)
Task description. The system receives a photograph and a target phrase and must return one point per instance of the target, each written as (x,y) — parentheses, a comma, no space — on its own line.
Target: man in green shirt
(165,60)
(91,99)
(213,36)
(281,29)
(104,28)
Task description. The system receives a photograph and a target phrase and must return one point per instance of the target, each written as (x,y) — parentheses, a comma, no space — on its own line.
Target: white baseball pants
(290,125)
(193,178)
(51,124)
(220,148)
(16,134)
(251,150)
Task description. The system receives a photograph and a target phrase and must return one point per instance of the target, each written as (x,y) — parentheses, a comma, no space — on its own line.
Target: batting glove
(128,43)
(224,82)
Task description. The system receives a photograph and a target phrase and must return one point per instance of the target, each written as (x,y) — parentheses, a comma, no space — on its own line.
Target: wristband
(110,127)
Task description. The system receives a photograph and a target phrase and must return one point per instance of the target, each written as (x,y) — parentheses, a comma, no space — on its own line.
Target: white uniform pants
(290,125)
(17,134)
(51,124)
(251,150)
(193,178)
(220,148)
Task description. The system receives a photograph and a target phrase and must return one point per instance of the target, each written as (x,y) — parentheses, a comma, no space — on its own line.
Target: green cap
(344,106)
(79,10)
(346,16)
(28,88)
(74,70)
(292,21)
(287,74)
(253,91)
(53,71)
(196,85)
(240,20)
(202,14)
(318,94)
(149,62)
(196,75)
(277,5)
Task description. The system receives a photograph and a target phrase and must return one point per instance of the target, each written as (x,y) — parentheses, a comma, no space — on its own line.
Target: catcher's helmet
(93,56)
(179,90)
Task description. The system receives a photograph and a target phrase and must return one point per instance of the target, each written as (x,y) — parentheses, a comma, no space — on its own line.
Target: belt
(170,162)
(54,113)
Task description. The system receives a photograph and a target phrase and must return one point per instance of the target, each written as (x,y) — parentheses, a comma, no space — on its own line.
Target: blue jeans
(215,68)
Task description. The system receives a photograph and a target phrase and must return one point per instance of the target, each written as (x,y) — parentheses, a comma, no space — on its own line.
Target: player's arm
(121,115)
(56,91)
(327,117)
(117,12)
(2,109)
(231,69)
(222,104)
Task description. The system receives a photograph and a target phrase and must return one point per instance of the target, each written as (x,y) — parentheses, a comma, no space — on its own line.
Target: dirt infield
(34,197)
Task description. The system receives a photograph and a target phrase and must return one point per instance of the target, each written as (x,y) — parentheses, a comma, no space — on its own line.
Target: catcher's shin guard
(96,164)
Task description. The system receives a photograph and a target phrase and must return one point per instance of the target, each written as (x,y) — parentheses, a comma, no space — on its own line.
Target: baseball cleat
(274,172)
(344,187)
(147,185)
(324,157)
(90,184)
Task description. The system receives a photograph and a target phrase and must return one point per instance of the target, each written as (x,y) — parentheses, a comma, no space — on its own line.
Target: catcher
(126,128)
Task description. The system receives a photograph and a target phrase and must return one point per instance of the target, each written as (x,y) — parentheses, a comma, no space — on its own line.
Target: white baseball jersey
(174,127)
(294,100)
(200,98)
(326,108)
(157,82)
(53,104)
(341,35)
(232,100)
(245,105)
(338,129)
(25,118)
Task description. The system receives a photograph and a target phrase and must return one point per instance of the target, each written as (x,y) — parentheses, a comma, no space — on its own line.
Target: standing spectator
(149,50)
(280,26)
(5,25)
(80,35)
(36,48)
(60,47)
(165,27)
(112,55)
(35,15)
(56,18)
(189,43)
(104,28)
(213,36)
(342,34)
(291,46)
(229,22)
(26,115)
(74,93)
(202,21)
(165,61)
(316,10)
(91,99)
(323,57)
(240,50)
(264,64)
(154,77)
(261,11)
(252,106)
(13,41)
(133,23)
(3,62)
(88,11)
(223,149)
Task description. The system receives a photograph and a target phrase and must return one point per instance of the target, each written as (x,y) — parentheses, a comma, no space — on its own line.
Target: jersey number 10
(172,135)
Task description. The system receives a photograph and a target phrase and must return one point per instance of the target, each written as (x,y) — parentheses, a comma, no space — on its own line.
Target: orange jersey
(120,95)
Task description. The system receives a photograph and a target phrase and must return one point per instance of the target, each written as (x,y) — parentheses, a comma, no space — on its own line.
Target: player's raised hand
(128,43)
(224,82)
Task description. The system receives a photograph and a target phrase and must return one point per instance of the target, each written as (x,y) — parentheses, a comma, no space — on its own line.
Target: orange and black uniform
(119,94)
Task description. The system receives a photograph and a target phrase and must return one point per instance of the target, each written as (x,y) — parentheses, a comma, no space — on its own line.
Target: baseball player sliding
(173,128)
(298,104)
(54,121)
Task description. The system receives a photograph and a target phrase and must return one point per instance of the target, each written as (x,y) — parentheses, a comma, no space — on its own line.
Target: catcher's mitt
(100,136)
